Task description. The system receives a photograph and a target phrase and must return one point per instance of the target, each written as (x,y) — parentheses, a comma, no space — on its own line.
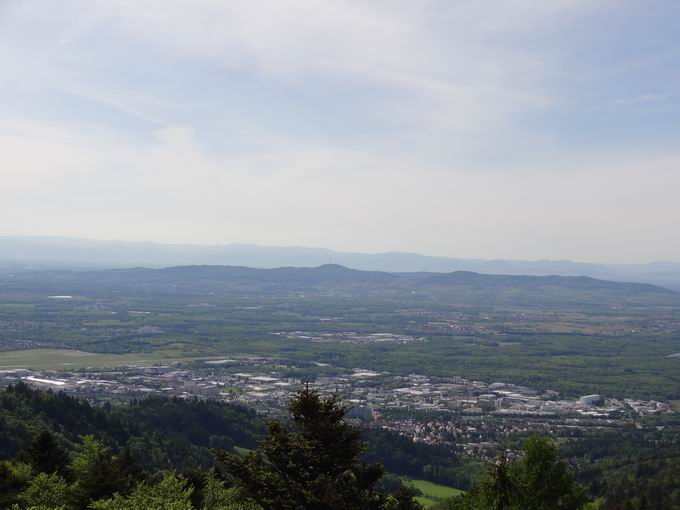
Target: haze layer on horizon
(515,129)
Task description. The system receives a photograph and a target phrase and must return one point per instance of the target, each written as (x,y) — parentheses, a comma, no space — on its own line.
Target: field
(55,359)
(432,492)
(241,450)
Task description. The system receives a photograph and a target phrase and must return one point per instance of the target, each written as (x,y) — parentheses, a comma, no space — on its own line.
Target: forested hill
(312,460)
(330,279)
(61,453)
(177,434)
(159,432)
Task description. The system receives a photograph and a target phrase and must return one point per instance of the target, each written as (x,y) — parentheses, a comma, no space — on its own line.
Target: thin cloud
(466,128)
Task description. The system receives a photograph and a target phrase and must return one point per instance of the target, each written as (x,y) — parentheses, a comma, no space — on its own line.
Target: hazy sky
(493,129)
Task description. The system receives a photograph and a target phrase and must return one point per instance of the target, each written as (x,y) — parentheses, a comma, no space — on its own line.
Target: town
(474,417)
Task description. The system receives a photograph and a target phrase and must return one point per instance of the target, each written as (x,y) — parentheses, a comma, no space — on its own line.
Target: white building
(591,400)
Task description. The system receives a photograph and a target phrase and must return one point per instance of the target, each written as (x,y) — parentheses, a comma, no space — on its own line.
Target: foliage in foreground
(312,462)
(538,480)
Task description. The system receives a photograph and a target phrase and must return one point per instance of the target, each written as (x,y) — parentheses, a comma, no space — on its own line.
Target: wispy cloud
(443,62)
(471,128)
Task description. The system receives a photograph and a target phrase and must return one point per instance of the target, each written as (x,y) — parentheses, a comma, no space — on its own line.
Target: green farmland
(432,493)
(69,359)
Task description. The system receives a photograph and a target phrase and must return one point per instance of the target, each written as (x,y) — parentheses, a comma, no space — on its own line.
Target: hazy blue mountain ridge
(53,252)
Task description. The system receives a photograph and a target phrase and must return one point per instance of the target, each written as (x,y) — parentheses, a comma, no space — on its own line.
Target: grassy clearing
(432,492)
(55,359)
(242,451)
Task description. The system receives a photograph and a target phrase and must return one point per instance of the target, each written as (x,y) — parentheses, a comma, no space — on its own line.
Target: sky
(517,129)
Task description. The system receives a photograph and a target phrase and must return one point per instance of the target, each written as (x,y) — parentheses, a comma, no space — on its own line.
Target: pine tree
(546,479)
(312,464)
(94,472)
(501,489)
(45,491)
(538,480)
(46,456)
(170,493)
(404,498)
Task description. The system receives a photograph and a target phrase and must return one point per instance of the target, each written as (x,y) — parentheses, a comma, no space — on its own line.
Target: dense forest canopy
(169,453)
(53,443)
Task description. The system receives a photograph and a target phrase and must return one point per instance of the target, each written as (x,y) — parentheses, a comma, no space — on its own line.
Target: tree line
(312,461)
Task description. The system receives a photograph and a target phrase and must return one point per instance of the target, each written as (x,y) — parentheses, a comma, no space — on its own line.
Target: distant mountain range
(332,281)
(62,253)
(334,276)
